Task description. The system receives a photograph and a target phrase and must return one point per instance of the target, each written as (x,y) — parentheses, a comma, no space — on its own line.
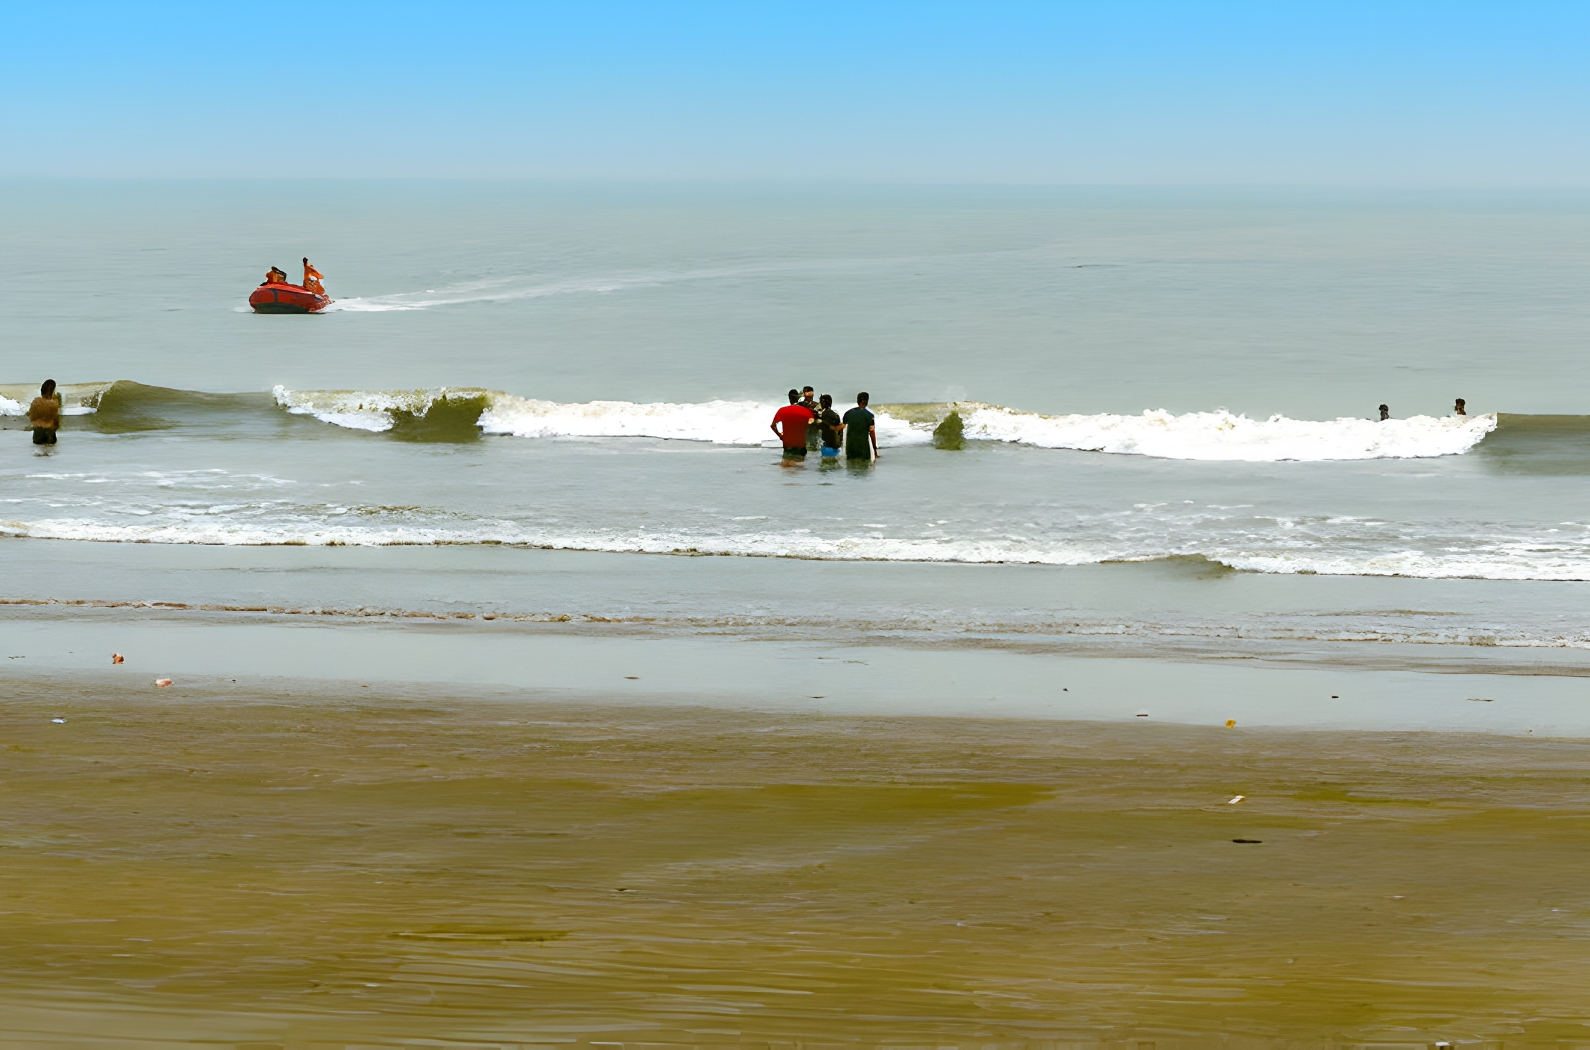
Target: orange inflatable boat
(279,297)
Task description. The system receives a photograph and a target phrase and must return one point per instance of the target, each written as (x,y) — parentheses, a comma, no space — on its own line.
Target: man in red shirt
(793,418)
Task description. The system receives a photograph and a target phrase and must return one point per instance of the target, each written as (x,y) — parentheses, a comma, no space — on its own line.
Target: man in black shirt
(861,436)
(830,427)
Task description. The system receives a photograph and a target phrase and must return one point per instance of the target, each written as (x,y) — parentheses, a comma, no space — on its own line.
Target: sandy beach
(184,867)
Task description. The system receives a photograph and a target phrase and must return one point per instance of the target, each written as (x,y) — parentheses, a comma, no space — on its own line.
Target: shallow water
(1171,606)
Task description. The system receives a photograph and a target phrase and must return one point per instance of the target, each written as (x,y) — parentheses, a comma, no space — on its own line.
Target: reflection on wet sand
(282,871)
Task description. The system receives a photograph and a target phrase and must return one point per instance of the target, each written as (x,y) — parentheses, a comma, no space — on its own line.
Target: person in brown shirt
(44,415)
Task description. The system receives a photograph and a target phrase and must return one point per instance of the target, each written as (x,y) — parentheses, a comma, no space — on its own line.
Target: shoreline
(1179,641)
(528,663)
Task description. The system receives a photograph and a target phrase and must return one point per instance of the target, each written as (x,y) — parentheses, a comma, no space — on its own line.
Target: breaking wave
(1216,435)
(458,414)
(1225,436)
(226,520)
(77,399)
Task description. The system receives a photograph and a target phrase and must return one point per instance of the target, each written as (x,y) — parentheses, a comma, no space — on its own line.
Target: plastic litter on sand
(1234,801)
(162,682)
(58,720)
(1231,723)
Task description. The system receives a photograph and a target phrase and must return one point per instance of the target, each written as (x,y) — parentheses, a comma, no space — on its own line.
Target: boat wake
(507,289)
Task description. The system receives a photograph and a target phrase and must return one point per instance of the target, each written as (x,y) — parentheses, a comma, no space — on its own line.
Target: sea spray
(951,432)
(444,415)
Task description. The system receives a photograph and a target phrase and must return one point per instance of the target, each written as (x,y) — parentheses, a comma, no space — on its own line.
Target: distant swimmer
(861,432)
(809,403)
(794,418)
(1458,408)
(276,275)
(44,415)
(830,426)
(1385,413)
(312,278)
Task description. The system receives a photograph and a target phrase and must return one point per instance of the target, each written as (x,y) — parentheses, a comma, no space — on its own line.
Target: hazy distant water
(1047,300)
(621,348)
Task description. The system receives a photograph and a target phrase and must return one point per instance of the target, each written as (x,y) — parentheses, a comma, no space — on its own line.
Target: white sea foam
(1196,435)
(277,523)
(71,401)
(719,422)
(364,409)
(1217,435)
(211,505)
(1225,436)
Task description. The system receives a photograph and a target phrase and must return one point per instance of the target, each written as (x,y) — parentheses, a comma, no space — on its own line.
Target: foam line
(1218,435)
(1224,436)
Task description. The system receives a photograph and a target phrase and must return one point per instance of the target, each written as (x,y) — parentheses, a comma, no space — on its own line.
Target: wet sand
(378,868)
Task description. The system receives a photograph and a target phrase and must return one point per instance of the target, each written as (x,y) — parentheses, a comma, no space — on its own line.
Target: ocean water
(1142,376)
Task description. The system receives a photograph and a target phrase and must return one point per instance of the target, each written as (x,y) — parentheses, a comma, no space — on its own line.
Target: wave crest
(466,413)
(1222,435)
(442,415)
(77,399)
(1215,436)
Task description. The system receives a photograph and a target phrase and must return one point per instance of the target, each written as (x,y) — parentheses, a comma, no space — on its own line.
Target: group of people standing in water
(809,423)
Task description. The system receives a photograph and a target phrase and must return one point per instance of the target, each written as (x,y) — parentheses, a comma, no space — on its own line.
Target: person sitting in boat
(276,275)
(312,278)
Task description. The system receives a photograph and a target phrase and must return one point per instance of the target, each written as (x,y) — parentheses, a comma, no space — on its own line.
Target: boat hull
(286,299)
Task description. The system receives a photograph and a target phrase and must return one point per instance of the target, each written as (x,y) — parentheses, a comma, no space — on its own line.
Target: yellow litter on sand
(1234,801)
(1231,723)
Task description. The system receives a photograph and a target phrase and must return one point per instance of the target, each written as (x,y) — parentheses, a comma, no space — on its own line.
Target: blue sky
(1363,94)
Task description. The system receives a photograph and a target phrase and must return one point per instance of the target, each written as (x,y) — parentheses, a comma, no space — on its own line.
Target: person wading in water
(44,415)
(861,435)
